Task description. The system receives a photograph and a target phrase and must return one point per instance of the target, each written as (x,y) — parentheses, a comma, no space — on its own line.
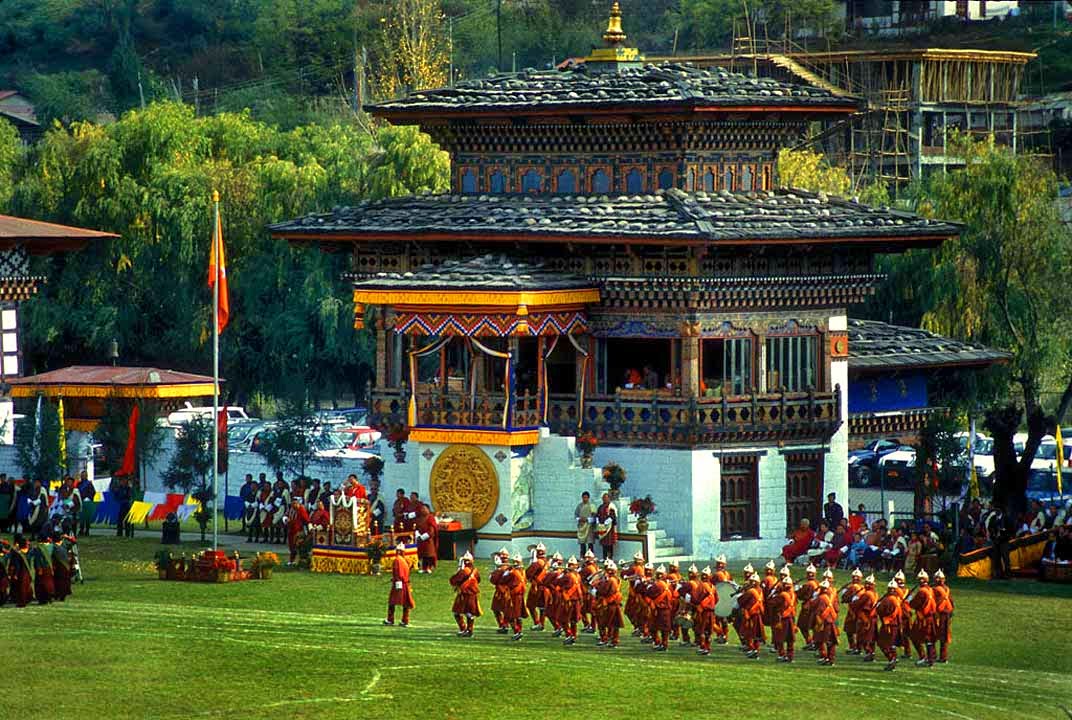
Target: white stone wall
(836,470)
(703,540)
(558,483)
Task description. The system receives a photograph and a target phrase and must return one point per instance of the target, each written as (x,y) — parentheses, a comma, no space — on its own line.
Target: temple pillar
(690,366)
(381,353)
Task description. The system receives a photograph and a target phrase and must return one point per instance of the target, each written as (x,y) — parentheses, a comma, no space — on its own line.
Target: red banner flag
(127,468)
(221,439)
(217,272)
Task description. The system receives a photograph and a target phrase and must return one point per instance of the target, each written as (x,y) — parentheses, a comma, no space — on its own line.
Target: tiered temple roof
(877,346)
(784,215)
(670,86)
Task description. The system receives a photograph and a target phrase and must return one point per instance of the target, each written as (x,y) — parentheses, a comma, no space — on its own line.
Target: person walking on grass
(401,594)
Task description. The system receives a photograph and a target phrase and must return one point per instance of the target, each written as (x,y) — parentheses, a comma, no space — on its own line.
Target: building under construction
(910,99)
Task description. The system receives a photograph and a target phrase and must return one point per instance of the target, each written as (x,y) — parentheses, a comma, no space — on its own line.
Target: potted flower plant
(614,475)
(642,508)
(263,565)
(586,443)
(373,468)
(396,438)
(376,550)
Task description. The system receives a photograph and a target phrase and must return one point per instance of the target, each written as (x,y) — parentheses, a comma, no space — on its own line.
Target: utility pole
(498,30)
(197,97)
(357,82)
(141,93)
(450,43)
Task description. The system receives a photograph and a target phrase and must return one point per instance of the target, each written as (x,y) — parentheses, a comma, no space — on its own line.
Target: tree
(69,96)
(809,170)
(292,445)
(10,153)
(1003,282)
(412,49)
(37,443)
(939,461)
(113,433)
(191,464)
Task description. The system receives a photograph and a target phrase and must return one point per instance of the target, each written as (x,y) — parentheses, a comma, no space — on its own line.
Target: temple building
(615,257)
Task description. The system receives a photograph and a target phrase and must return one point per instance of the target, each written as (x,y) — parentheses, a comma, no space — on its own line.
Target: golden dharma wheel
(464,479)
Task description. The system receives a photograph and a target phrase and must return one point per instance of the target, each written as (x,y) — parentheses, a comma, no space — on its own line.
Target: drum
(726,599)
(684,619)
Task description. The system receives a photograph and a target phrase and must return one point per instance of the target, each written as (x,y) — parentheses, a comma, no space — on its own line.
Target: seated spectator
(823,541)
(855,555)
(842,540)
(858,519)
(874,541)
(893,555)
(932,544)
(1051,516)
(1036,517)
(912,555)
(799,542)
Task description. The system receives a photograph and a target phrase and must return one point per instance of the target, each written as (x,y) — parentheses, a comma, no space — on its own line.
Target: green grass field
(128,645)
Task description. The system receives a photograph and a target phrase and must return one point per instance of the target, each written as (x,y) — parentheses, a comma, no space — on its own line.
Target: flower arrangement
(376,549)
(263,564)
(642,507)
(397,435)
(373,467)
(614,475)
(587,442)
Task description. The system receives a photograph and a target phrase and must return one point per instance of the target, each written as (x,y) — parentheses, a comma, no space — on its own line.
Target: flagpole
(216,375)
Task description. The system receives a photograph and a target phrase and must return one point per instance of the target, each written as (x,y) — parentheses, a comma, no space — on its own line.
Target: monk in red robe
(662,606)
(783,603)
(44,582)
(320,516)
(570,592)
(943,603)
(297,520)
(925,611)
(427,531)
(888,622)
(536,601)
(400,511)
(401,594)
(61,570)
(799,542)
(466,584)
(609,605)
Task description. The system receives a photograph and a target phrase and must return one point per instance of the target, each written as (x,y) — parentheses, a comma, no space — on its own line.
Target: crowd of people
(42,570)
(664,606)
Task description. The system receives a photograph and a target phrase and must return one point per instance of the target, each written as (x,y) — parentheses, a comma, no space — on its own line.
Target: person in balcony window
(632,379)
(651,378)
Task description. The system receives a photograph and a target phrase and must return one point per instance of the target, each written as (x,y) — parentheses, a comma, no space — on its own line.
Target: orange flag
(217,272)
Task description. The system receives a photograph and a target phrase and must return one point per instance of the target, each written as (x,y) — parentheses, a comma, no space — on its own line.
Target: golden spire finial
(614,35)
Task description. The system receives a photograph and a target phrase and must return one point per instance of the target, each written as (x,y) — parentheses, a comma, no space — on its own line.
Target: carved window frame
(671,168)
(524,170)
(462,170)
(626,170)
(557,170)
(489,172)
(590,178)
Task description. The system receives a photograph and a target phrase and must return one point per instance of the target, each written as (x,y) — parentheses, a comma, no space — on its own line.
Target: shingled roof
(785,215)
(485,272)
(876,346)
(664,86)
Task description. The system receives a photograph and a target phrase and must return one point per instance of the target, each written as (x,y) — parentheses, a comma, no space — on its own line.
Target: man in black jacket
(124,498)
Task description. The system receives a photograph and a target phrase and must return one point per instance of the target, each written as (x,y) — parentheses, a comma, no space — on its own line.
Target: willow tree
(1004,282)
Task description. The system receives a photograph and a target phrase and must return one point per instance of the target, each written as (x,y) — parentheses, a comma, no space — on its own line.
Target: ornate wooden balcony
(630,417)
(665,420)
(443,408)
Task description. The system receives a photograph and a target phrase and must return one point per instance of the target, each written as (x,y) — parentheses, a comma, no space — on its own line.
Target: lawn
(128,645)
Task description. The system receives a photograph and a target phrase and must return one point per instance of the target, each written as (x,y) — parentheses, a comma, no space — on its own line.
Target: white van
(188,413)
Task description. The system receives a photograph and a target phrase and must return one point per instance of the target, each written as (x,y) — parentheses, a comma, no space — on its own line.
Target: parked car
(332,445)
(359,438)
(1042,485)
(239,435)
(189,412)
(898,468)
(863,461)
(1045,457)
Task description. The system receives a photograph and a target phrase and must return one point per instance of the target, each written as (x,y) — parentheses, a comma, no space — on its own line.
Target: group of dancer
(664,605)
(42,571)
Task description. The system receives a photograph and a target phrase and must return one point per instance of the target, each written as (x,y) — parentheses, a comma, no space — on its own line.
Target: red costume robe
(427,548)
(20,570)
(401,594)
(923,631)
(846,595)
(61,572)
(888,615)
(570,591)
(321,518)
(399,511)
(751,629)
(466,583)
(605,513)
(501,598)
(943,603)
(703,598)
(536,602)
(805,594)
(783,607)
(826,629)
(863,609)
(513,581)
(662,608)
(297,519)
(609,604)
